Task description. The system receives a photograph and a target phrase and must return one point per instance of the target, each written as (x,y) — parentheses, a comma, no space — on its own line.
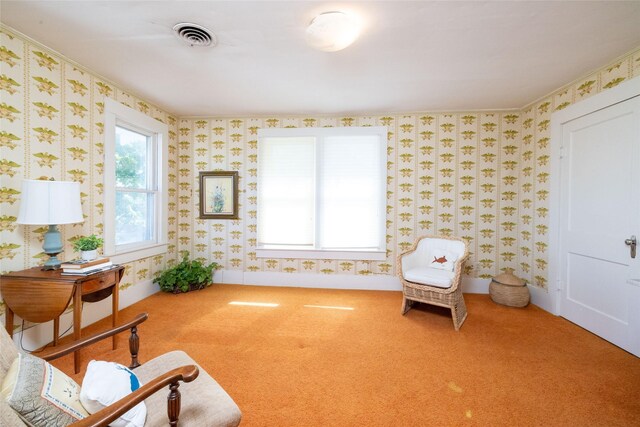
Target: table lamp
(50,203)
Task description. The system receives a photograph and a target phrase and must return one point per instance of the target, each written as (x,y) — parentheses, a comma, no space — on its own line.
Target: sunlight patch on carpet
(254,304)
(454,387)
(332,307)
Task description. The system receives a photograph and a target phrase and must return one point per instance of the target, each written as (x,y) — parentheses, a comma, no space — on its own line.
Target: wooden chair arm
(59,351)
(105,416)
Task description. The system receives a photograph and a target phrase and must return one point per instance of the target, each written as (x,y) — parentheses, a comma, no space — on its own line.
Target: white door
(600,209)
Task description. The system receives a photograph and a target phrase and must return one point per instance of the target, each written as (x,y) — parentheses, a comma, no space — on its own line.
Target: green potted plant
(88,246)
(186,276)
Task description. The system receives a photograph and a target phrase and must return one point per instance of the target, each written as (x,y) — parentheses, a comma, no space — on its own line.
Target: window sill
(322,254)
(138,253)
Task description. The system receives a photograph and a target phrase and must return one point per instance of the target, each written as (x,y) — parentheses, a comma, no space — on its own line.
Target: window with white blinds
(321,193)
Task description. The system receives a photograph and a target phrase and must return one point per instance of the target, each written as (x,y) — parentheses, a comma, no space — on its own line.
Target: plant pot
(89,255)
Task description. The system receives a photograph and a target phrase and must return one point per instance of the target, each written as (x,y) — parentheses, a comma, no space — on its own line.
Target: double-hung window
(135,184)
(322,193)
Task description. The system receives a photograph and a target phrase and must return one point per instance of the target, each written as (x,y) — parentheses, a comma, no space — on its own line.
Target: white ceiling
(411,56)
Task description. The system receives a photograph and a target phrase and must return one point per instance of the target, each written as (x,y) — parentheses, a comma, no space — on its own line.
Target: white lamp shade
(332,31)
(50,203)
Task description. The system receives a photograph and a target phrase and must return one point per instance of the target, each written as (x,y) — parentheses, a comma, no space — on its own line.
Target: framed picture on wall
(219,195)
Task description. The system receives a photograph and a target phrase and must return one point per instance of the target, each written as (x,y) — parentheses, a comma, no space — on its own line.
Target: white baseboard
(475,285)
(136,293)
(544,299)
(377,282)
(42,333)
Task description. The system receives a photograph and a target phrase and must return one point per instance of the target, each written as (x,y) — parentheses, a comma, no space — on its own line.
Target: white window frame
(116,114)
(298,252)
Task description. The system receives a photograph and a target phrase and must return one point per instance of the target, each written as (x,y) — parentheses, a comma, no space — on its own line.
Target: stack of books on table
(81,267)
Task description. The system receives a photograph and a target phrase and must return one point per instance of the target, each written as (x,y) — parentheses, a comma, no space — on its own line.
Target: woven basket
(507,289)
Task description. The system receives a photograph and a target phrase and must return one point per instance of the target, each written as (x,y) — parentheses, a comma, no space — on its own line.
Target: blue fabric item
(135,384)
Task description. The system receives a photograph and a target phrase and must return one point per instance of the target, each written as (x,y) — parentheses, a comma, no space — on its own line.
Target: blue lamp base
(52,246)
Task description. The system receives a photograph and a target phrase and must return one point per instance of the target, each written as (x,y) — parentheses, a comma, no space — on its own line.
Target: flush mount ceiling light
(195,35)
(332,31)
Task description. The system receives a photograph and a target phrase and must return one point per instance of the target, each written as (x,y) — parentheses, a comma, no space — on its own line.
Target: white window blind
(351,192)
(322,192)
(286,187)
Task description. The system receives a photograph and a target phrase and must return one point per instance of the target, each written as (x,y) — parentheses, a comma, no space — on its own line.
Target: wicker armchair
(430,272)
(174,387)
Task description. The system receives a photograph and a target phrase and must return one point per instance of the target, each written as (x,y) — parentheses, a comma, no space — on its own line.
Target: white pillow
(441,259)
(106,383)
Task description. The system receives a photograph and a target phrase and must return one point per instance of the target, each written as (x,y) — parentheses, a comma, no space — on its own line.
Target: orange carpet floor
(349,358)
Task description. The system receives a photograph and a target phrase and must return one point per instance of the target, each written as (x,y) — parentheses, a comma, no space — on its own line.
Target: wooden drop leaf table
(39,296)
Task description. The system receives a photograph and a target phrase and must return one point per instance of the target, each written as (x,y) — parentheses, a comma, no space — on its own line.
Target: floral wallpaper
(51,126)
(483,176)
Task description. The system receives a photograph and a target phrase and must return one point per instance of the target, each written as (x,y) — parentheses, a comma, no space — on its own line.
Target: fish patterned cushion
(442,260)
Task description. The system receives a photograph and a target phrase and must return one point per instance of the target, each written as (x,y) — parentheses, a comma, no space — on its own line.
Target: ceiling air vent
(194,34)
